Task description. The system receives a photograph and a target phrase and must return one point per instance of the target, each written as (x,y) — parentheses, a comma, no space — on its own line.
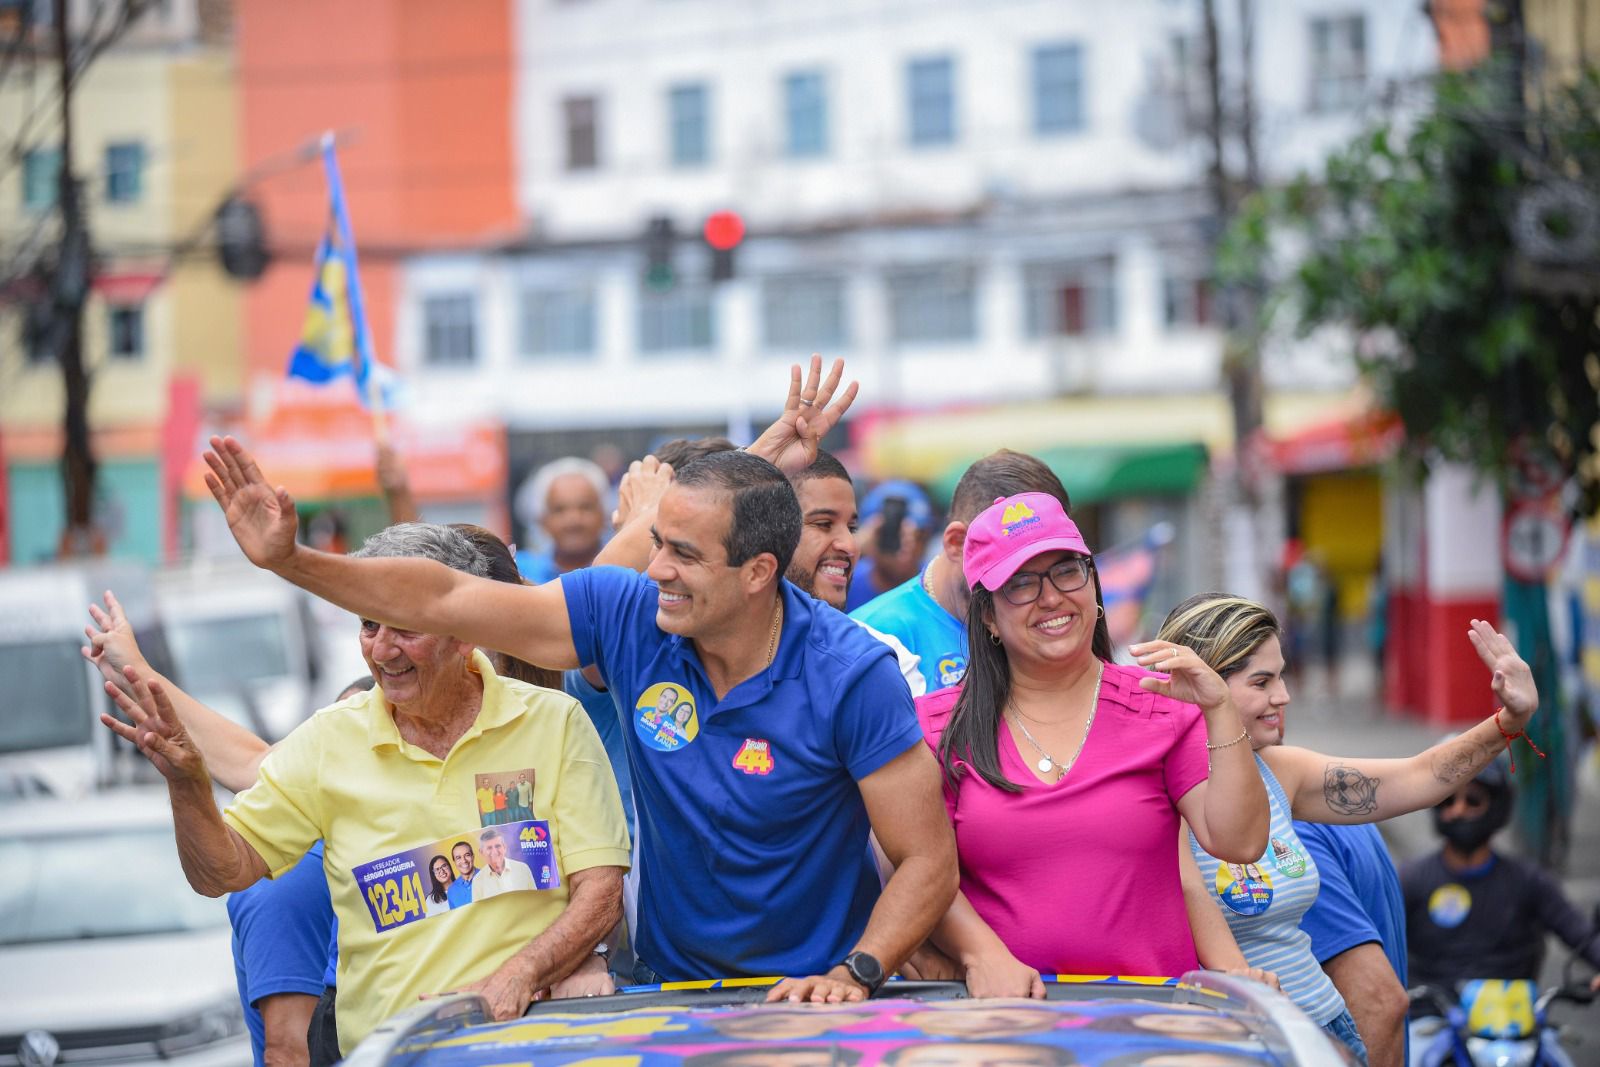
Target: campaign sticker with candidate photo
(504,796)
(664,716)
(424,882)
(1245,888)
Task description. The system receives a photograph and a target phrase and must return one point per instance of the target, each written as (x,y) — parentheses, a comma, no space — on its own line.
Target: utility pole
(69,291)
(1239,304)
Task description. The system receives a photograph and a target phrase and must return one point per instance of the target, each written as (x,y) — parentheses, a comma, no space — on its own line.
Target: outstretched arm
(216,860)
(232,753)
(1339,790)
(529,622)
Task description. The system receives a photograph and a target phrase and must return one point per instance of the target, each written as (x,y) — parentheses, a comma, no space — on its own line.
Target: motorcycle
(1492,1023)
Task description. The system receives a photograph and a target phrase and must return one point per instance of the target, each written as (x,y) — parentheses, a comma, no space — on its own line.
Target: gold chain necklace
(777,624)
(1046,761)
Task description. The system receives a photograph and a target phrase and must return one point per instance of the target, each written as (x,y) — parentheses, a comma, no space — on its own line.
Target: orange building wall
(420,93)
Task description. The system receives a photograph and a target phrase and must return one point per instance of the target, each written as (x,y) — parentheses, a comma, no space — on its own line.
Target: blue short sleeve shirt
(1360,899)
(752,830)
(602,711)
(909,613)
(281,930)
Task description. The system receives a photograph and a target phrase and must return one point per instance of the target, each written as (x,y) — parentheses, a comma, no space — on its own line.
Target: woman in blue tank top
(1264,901)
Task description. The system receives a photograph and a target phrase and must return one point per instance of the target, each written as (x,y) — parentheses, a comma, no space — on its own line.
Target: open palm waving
(261,518)
(791,443)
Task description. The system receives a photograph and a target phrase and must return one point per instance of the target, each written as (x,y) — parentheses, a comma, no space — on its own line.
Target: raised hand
(1188,678)
(640,490)
(155,728)
(791,442)
(1511,679)
(261,518)
(111,644)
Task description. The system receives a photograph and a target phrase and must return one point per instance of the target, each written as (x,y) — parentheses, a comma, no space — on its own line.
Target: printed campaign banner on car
(456,871)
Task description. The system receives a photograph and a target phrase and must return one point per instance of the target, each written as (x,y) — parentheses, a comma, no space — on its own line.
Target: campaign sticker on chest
(664,716)
(1449,905)
(952,668)
(754,756)
(1245,888)
(453,872)
(1290,861)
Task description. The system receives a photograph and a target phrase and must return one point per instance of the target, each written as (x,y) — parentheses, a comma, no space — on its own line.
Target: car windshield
(214,655)
(88,884)
(47,698)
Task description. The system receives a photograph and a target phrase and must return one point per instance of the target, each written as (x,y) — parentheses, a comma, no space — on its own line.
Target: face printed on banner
(1261,695)
(1055,628)
(984,1022)
(494,853)
(785,1025)
(827,553)
(699,590)
(462,854)
(978,1054)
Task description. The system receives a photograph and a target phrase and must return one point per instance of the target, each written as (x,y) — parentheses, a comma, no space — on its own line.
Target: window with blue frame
(805,102)
(124,172)
(677,320)
(934,304)
(41,174)
(931,96)
(450,330)
(1058,89)
(125,325)
(690,110)
(804,312)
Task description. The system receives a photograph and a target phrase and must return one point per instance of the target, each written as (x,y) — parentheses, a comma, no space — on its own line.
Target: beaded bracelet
(1228,744)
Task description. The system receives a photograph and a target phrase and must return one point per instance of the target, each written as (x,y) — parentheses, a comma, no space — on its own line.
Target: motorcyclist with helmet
(1472,912)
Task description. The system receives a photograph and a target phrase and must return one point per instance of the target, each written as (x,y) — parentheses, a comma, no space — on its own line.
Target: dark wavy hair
(765,513)
(973,732)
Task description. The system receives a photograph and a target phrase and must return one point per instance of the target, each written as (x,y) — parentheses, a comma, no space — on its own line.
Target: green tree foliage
(1408,240)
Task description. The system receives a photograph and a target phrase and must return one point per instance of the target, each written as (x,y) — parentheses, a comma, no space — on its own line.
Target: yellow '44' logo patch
(754,757)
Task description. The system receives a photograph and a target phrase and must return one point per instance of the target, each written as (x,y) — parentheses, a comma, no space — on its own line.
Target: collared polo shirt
(752,830)
(346,776)
(937,637)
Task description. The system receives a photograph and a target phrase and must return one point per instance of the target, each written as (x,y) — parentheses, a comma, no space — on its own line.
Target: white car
(109,956)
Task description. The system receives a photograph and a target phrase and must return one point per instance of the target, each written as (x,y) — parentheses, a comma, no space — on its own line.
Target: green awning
(1095,473)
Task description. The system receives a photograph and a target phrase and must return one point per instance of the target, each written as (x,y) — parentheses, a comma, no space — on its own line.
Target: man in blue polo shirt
(929,613)
(793,735)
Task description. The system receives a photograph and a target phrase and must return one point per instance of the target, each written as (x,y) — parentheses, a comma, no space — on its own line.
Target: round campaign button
(1290,861)
(1449,905)
(664,716)
(1245,888)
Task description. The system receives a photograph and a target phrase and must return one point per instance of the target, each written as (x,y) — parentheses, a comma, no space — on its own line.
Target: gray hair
(426,540)
(533,496)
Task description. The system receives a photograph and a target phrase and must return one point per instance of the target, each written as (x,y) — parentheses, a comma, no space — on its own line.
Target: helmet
(1468,833)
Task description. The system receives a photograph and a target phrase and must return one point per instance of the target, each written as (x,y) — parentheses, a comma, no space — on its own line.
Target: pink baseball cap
(1013,530)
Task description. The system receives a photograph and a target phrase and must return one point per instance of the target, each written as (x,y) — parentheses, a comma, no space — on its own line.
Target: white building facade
(972,201)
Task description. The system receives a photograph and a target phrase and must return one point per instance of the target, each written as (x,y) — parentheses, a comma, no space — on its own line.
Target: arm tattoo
(1461,759)
(1348,791)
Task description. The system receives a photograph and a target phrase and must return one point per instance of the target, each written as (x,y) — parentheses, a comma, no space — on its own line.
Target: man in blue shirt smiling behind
(793,734)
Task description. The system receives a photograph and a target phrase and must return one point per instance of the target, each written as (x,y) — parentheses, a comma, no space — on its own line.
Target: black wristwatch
(865,970)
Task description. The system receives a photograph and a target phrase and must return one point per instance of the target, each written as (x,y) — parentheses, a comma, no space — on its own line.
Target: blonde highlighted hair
(1224,629)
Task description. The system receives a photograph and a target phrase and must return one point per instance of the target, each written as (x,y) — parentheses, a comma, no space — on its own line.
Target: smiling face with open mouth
(826,556)
(1261,695)
(413,667)
(698,589)
(1055,628)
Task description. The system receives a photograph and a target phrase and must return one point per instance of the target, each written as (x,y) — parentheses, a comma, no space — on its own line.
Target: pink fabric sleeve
(1186,765)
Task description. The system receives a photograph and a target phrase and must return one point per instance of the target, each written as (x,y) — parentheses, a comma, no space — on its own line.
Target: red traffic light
(724,230)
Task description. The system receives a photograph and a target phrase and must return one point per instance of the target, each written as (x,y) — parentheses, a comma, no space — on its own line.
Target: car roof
(1085,1020)
(106,810)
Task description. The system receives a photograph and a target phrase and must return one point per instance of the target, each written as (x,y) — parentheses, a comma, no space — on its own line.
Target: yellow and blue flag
(335,341)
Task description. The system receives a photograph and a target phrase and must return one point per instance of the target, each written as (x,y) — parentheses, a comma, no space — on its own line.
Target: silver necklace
(1046,762)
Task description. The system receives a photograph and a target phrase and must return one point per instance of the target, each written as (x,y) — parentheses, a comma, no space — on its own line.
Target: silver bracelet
(1228,744)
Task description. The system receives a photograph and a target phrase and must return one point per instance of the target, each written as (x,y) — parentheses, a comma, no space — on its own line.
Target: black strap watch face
(865,969)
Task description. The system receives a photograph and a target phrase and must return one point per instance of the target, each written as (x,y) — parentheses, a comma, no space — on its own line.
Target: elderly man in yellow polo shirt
(387,779)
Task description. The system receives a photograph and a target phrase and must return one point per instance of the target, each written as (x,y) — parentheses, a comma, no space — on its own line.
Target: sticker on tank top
(1244,888)
(1290,861)
(1449,905)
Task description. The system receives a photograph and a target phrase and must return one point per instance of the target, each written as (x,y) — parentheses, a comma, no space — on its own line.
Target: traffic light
(659,239)
(241,239)
(723,232)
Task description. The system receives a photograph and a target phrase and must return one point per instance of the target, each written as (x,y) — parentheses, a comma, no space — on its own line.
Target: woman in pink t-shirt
(1066,773)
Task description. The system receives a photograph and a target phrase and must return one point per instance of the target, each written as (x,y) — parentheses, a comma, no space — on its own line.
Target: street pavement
(1352,722)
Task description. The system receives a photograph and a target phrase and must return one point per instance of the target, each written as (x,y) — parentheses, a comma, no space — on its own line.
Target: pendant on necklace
(1045,765)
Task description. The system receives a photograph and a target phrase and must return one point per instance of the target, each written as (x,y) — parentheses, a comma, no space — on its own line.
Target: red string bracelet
(1512,737)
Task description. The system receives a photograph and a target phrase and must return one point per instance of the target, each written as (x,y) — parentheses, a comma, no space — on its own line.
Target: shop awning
(1095,473)
(1338,444)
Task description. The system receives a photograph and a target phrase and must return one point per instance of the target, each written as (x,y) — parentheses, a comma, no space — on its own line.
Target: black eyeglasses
(1067,576)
